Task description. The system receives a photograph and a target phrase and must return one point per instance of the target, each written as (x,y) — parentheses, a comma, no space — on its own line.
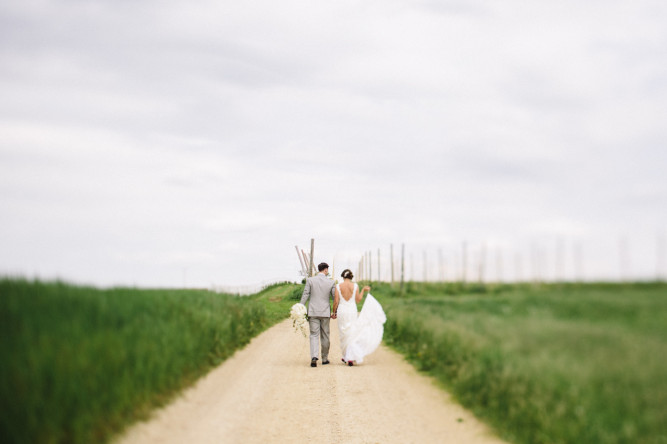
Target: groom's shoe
(313,362)
(325,362)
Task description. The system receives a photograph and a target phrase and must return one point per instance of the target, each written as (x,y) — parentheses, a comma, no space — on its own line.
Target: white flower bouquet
(298,316)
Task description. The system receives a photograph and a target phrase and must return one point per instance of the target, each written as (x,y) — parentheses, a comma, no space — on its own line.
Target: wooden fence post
(303,265)
(535,259)
(560,260)
(362,266)
(441,265)
(306,261)
(370,265)
(482,262)
(312,255)
(391,259)
(425,267)
(402,266)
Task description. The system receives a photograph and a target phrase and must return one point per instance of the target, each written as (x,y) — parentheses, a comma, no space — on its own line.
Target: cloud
(142,139)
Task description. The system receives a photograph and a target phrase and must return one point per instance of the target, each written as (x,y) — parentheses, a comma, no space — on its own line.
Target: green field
(543,364)
(79,364)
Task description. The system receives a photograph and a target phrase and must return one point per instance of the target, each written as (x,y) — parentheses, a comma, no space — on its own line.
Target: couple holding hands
(360,333)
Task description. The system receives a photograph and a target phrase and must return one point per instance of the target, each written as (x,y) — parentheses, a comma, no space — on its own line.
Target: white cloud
(144,141)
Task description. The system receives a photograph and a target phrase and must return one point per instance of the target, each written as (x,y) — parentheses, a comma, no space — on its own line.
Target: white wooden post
(391,259)
(370,265)
(303,265)
(560,260)
(312,255)
(362,275)
(441,265)
(402,266)
(535,259)
(482,262)
(306,260)
(425,267)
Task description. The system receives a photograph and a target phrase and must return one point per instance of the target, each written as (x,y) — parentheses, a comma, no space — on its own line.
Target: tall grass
(78,364)
(548,364)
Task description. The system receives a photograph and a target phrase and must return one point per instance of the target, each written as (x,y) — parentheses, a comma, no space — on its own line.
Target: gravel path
(267,392)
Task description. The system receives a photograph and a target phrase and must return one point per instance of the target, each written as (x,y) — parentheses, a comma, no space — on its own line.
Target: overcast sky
(162,143)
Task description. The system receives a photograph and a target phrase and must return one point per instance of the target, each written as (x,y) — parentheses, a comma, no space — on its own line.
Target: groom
(320,290)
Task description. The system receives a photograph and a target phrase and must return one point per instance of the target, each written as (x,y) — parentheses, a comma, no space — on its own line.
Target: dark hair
(322,266)
(347,274)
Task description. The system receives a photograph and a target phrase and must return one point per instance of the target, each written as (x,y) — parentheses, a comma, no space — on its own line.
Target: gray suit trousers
(319,332)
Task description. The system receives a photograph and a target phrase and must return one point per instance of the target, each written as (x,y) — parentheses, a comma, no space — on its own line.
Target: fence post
(560,260)
(370,266)
(303,265)
(441,265)
(425,267)
(482,262)
(312,255)
(391,259)
(402,266)
(362,266)
(535,259)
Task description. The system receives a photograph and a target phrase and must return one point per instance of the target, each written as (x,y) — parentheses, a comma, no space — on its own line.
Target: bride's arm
(336,301)
(360,294)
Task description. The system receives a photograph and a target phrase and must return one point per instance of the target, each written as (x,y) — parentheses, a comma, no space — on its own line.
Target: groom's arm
(306,292)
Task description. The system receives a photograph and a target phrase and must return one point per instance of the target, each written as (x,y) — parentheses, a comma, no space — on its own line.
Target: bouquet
(298,316)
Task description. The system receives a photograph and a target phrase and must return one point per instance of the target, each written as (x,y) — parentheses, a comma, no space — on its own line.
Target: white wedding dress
(360,333)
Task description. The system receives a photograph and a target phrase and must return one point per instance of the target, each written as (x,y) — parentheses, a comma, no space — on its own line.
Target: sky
(168,144)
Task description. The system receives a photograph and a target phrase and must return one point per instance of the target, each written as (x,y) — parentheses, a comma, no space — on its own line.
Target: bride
(360,333)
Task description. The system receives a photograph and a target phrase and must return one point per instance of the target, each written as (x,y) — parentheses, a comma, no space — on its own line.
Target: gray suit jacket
(320,290)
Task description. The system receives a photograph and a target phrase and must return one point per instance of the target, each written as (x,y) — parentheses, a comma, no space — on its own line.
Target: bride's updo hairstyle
(347,274)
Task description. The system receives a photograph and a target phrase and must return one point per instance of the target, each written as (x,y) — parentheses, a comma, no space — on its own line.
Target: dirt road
(267,392)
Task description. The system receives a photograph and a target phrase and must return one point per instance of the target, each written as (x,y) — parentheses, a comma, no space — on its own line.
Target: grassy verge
(79,364)
(277,300)
(548,364)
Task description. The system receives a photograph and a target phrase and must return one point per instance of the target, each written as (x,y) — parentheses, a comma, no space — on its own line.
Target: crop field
(556,363)
(568,363)
(79,364)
